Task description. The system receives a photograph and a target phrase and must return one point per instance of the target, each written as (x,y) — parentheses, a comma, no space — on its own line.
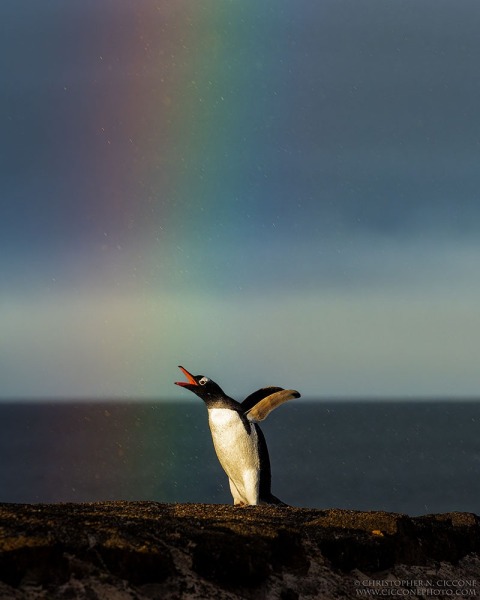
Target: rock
(146,550)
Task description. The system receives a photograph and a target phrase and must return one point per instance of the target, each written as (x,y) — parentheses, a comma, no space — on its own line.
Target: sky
(279,193)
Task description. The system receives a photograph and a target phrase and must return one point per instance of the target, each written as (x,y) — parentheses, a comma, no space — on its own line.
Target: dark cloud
(354,116)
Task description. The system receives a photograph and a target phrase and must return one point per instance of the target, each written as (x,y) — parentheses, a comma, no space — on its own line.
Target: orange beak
(189,376)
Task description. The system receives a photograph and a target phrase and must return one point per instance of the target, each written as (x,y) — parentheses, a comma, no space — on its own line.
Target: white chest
(226,425)
(233,443)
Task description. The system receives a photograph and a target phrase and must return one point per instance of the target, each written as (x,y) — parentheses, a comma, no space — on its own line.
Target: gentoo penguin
(238,440)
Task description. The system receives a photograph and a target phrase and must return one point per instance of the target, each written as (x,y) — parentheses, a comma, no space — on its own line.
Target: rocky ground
(146,550)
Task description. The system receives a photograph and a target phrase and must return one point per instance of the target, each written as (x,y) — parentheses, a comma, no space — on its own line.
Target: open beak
(189,376)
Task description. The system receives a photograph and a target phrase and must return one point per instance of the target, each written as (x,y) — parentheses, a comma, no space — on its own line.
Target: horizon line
(304,399)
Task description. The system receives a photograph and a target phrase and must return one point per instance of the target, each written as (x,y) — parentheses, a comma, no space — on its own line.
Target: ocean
(408,457)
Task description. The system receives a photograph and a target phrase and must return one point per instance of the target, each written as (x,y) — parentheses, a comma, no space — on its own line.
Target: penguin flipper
(260,394)
(264,407)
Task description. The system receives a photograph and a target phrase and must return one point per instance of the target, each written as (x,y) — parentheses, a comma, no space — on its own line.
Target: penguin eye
(203,380)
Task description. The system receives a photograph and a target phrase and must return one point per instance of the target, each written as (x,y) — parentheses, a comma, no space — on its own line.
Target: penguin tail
(271,499)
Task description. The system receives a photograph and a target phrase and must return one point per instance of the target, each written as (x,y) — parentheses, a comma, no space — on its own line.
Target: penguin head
(204,387)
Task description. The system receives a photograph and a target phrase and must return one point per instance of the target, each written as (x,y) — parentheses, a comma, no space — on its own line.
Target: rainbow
(179,109)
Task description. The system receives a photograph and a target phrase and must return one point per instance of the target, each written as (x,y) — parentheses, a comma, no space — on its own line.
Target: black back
(265,471)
